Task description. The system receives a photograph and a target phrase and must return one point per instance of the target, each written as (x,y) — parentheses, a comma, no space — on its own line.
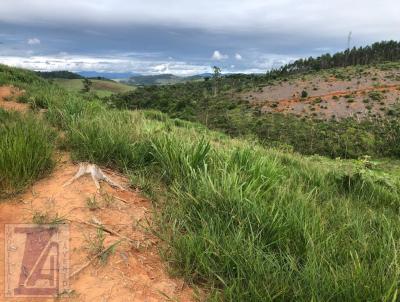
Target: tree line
(378,52)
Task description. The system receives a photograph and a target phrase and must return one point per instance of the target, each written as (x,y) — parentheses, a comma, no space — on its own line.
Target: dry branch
(94,258)
(98,224)
(96,174)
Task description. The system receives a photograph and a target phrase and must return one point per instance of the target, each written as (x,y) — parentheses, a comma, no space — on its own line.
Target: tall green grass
(246,224)
(255,224)
(249,223)
(26,151)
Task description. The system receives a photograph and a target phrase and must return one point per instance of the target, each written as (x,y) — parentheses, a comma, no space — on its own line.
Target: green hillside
(101,88)
(161,79)
(235,105)
(61,74)
(242,221)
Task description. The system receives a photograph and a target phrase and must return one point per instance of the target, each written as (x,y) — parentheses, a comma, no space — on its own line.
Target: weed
(45,217)
(108,200)
(95,246)
(92,204)
(40,217)
(95,243)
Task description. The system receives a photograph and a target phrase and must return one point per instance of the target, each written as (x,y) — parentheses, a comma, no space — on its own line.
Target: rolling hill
(162,79)
(239,220)
(101,88)
(323,105)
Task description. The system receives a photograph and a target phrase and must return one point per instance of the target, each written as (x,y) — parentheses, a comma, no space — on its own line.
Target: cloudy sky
(185,36)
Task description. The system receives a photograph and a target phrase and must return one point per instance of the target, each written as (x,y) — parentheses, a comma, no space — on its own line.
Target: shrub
(375,95)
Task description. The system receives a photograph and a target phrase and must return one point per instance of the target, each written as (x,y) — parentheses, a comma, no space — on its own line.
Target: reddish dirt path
(286,102)
(131,273)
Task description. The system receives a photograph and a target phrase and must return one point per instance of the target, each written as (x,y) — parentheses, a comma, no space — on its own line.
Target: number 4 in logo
(39,274)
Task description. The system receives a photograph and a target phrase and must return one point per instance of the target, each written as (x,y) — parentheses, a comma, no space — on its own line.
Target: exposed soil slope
(7,95)
(331,95)
(134,272)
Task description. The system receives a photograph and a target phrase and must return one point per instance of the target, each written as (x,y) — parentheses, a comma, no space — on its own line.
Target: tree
(216,78)
(87,85)
(376,53)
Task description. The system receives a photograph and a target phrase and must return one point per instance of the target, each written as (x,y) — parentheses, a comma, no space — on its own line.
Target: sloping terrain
(100,87)
(360,92)
(161,79)
(340,112)
(241,220)
(134,271)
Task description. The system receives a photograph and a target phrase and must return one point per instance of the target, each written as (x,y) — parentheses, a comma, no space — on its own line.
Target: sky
(185,37)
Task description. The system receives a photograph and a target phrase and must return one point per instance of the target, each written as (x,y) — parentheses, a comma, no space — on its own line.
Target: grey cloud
(144,36)
(332,18)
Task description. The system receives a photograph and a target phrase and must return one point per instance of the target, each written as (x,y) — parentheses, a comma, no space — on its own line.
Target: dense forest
(376,53)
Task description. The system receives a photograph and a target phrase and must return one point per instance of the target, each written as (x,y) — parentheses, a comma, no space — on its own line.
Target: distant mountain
(162,79)
(108,75)
(133,79)
(200,76)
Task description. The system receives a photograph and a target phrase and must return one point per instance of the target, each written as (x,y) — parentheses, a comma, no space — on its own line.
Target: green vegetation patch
(376,95)
(26,151)
(252,224)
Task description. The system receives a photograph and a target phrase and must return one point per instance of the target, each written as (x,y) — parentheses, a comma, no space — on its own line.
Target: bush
(376,95)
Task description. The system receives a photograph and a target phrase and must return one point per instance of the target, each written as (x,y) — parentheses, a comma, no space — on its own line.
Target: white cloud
(217,55)
(162,68)
(103,64)
(34,41)
(238,56)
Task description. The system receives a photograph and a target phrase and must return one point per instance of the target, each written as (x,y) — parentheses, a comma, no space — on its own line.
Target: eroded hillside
(359,92)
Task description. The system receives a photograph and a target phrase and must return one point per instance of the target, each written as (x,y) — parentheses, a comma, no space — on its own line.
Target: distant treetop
(62,74)
(376,53)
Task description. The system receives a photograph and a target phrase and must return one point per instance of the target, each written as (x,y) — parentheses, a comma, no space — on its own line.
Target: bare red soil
(7,96)
(329,97)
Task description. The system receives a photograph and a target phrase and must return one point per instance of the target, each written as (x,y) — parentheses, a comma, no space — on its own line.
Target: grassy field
(245,222)
(101,88)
